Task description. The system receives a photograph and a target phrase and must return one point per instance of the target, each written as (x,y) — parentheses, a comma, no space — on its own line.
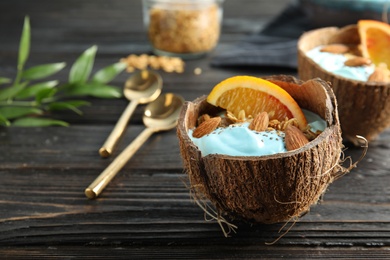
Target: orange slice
(375,41)
(255,95)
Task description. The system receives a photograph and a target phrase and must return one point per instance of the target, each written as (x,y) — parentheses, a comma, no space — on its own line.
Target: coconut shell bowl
(273,188)
(364,107)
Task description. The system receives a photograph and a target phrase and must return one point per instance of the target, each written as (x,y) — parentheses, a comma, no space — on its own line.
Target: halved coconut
(272,188)
(364,107)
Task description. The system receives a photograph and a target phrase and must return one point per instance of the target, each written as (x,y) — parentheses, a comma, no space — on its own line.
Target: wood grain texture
(146,211)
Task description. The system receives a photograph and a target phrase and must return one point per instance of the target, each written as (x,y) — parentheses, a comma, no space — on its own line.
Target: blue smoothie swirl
(334,63)
(239,140)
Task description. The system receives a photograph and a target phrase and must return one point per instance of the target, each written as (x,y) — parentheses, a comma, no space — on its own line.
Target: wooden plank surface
(146,211)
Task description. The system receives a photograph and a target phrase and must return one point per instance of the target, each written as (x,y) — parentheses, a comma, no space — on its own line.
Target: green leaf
(36,121)
(81,69)
(77,103)
(4,80)
(24,47)
(15,112)
(42,71)
(108,73)
(45,93)
(106,91)
(70,105)
(94,90)
(4,121)
(33,90)
(12,91)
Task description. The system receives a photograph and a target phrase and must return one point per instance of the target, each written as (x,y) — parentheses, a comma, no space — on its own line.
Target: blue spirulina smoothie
(334,63)
(239,140)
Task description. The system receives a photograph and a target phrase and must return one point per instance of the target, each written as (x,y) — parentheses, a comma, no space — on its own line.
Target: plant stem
(18,74)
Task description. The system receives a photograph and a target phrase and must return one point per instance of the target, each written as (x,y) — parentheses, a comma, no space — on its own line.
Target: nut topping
(335,48)
(357,61)
(203,118)
(294,138)
(206,127)
(260,122)
(380,74)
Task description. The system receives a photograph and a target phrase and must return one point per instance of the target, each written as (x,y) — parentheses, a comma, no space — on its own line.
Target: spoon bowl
(141,88)
(160,115)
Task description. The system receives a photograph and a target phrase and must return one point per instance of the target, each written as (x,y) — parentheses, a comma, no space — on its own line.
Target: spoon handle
(118,130)
(96,187)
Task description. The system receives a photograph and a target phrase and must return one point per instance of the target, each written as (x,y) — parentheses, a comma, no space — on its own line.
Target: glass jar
(183,28)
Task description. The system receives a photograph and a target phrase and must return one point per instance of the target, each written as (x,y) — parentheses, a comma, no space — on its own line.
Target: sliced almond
(357,62)
(294,138)
(206,127)
(335,48)
(260,122)
(231,116)
(275,124)
(292,121)
(241,115)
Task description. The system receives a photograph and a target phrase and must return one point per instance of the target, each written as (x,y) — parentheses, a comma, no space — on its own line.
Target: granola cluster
(180,29)
(144,61)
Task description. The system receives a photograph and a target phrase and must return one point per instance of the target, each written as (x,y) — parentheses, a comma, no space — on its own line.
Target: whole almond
(335,48)
(380,74)
(357,61)
(294,138)
(206,127)
(260,122)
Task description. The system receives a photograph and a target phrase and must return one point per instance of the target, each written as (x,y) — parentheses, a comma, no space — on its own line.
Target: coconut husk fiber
(267,189)
(364,107)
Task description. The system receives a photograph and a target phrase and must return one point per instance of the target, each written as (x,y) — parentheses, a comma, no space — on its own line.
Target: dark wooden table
(146,211)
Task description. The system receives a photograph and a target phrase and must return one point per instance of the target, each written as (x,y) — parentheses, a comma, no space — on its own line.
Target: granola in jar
(183,28)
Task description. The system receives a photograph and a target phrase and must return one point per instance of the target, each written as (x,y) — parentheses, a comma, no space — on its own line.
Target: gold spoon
(160,115)
(141,88)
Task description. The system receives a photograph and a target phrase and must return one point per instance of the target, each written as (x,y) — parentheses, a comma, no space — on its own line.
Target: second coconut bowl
(364,107)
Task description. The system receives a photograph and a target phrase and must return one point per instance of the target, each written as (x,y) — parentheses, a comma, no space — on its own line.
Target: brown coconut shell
(272,188)
(364,107)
